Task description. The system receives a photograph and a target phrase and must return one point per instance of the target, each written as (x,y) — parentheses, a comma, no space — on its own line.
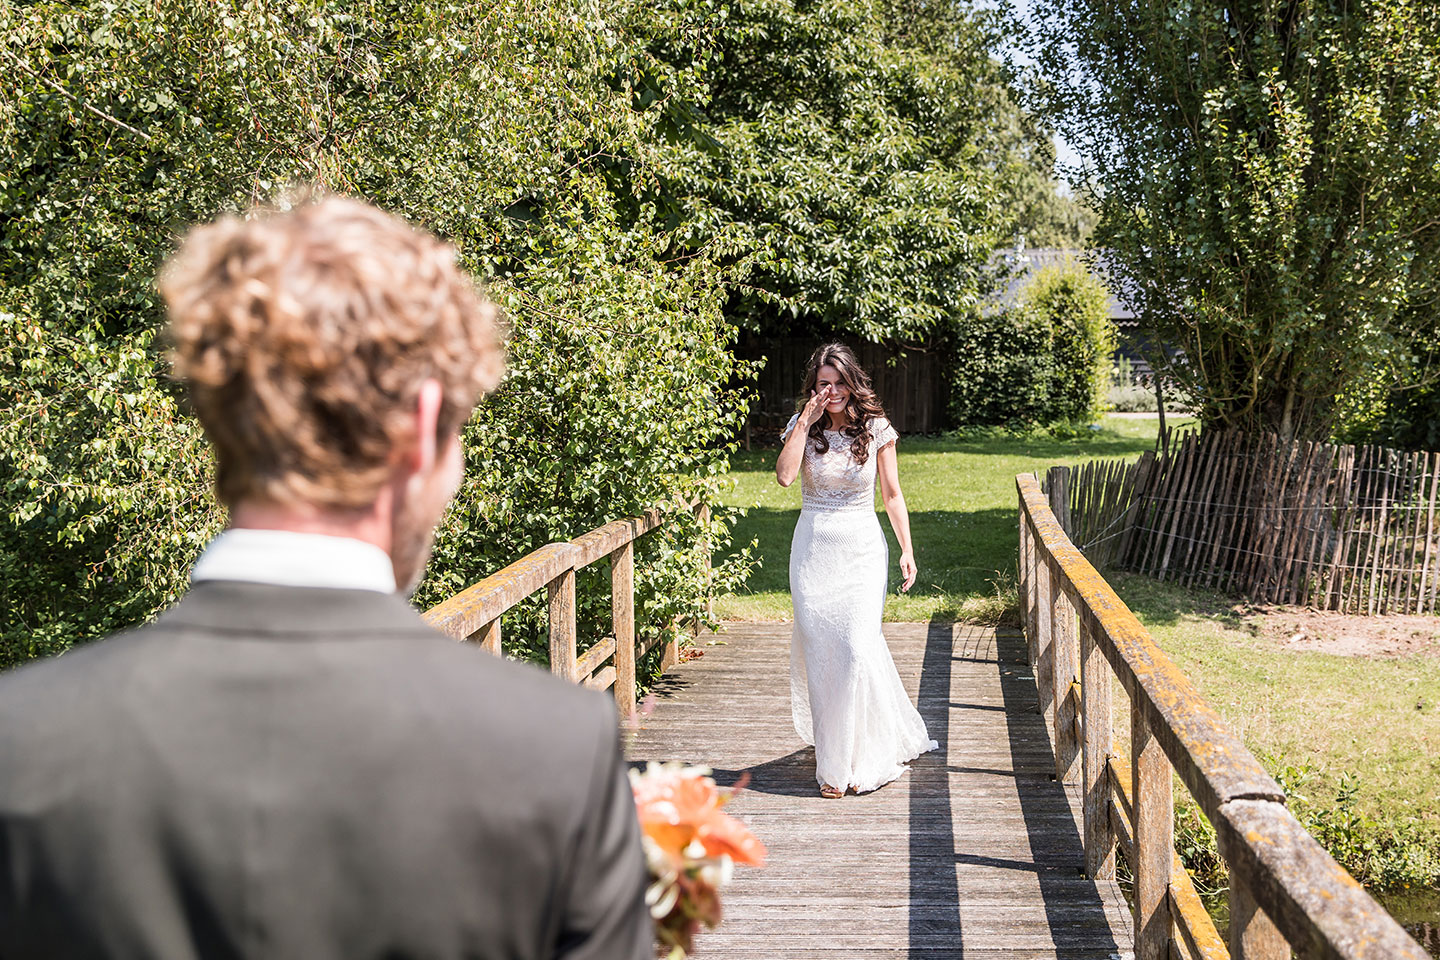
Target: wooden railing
(1286,891)
(474,614)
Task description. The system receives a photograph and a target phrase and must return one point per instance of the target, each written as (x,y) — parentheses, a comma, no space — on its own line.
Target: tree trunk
(1160,406)
(1287,423)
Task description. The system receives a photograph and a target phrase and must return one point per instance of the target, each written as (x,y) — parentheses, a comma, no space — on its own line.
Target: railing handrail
(1286,889)
(1214,763)
(474,614)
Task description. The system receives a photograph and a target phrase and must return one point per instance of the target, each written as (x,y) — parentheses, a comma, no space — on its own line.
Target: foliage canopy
(874,154)
(1268,180)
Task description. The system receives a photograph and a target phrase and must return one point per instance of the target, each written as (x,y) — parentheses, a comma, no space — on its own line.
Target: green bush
(1401,409)
(529,134)
(1131,398)
(1043,359)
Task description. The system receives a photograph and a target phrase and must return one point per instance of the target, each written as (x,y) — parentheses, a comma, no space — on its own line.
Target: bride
(845,694)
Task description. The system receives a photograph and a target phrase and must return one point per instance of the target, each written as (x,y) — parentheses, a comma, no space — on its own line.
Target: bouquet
(691,846)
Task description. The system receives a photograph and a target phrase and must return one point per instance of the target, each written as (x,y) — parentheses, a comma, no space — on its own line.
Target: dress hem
(901,766)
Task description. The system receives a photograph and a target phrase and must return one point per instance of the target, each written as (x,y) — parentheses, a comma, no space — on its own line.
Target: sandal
(831,793)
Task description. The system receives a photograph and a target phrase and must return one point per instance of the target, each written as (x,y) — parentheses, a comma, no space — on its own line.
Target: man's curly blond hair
(304,337)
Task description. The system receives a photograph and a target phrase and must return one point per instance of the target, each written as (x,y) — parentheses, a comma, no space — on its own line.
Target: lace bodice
(833,480)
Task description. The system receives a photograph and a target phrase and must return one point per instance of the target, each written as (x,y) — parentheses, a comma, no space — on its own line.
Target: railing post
(1095,723)
(1026,585)
(1154,829)
(702,514)
(670,653)
(1252,934)
(561,593)
(708,559)
(488,636)
(1044,616)
(622,614)
(1065,665)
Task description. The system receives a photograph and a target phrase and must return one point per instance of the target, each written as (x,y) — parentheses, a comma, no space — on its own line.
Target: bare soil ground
(1345,635)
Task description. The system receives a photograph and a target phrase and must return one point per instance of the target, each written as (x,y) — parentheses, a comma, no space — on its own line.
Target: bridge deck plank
(975,852)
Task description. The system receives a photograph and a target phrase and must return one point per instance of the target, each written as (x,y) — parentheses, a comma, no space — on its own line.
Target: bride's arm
(787,465)
(888,466)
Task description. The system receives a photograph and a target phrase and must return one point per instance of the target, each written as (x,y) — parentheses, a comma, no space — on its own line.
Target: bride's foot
(831,793)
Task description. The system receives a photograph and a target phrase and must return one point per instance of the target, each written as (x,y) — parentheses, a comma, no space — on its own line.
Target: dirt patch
(1344,635)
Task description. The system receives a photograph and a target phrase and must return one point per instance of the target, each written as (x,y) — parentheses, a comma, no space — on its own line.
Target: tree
(863,147)
(1268,182)
(519,130)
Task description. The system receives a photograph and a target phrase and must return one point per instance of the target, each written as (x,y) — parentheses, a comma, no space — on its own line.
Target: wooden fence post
(1096,725)
(622,615)
(1252,935)
(488,636)
(709,563)
(1065,665)
(1058,485)
(561,593)
(702,514)
(1154,829)
(1135,507)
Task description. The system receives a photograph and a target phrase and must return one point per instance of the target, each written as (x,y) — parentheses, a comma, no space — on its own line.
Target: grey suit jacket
(284,772)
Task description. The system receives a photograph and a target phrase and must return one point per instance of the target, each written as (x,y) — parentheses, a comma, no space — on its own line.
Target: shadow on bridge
(974,853)
(979,884)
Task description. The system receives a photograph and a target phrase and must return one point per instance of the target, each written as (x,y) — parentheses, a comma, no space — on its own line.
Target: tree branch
(70,96)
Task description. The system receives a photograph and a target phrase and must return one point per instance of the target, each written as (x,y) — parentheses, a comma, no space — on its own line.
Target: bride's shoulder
(881,432)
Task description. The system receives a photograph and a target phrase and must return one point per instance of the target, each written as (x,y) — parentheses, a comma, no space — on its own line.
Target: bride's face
(828,376)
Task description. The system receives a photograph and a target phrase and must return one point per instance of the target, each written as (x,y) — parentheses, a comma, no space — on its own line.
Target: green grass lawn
(1314,719)
(961,494)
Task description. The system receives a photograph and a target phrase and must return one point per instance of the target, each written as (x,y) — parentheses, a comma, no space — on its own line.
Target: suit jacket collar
(241,608)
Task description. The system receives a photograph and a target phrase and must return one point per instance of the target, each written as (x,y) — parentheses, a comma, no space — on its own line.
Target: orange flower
(680,806)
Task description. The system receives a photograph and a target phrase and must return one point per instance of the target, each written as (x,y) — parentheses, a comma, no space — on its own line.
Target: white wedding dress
(845,693)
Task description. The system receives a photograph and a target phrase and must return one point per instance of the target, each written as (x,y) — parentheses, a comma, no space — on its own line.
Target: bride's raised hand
(815,407)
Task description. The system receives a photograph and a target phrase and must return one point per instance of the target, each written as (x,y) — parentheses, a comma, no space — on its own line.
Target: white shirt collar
(290,559)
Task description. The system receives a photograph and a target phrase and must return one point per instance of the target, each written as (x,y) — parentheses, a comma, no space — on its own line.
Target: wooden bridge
(1004,842)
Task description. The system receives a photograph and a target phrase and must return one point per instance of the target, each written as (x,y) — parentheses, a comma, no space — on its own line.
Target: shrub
(1131,398)
(512,129)
(1002,370)
(1043,359)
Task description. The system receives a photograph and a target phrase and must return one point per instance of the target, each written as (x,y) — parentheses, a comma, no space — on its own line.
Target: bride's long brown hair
(863,407)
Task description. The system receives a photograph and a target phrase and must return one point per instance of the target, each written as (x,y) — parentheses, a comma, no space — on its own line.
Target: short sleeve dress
(846,695)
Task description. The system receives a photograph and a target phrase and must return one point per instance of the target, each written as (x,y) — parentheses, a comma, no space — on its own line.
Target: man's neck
(370,524)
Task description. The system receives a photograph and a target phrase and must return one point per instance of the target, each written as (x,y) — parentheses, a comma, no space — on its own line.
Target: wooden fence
(474,614)
(911,382)
(1350,528)
(1286,891)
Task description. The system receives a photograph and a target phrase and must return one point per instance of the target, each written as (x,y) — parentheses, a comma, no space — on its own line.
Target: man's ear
(425,451)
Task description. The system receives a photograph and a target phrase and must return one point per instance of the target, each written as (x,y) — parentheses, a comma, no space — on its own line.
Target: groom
(289,763)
